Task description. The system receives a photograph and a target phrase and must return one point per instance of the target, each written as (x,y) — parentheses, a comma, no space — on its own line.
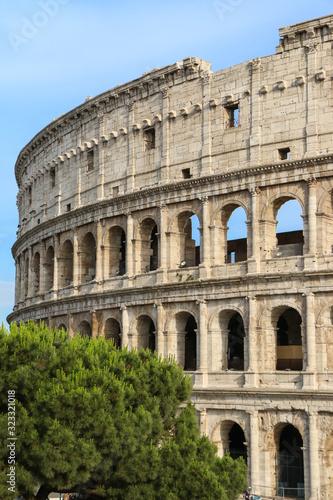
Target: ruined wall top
(300,34)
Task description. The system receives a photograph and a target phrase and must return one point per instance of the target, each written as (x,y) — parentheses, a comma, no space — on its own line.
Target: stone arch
(66,264)
(183,329)
(229,437)
(289,351)
(183,251)
(325,222)
(115,249)
(228,250)
(62,326)
(143,331)
(85,329)
(87,252)
(281,244)
(49,269)
(112,330)
(35,268)
(147,245)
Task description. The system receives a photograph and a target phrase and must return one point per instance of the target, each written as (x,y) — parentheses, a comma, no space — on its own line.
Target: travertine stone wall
(105,247)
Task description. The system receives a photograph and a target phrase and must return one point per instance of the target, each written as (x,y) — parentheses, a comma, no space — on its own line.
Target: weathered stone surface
(104,243)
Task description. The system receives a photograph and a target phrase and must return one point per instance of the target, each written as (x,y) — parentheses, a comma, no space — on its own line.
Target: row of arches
(229,437)
(232,338)
(184,249)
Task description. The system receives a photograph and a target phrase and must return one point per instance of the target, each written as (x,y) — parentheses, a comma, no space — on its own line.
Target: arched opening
(49,268)
(234,224)
(237,447)
(36,274)
(289,229)
(112,331)
(117,251)
(290,463)
(148,245)
(229,438)
(289,340)
(66,264)
(185,241)
(184,344)
(236,336)
(145,329)
(190,344)
(85,329)
(62,326)
(88,258)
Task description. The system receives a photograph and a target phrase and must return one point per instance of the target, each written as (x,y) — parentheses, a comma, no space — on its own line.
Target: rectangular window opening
(232,112)
(52,177)
(68,207)
(90,160)
(284,154)
(29,195)
(149,138)
(186,172)
(115,191)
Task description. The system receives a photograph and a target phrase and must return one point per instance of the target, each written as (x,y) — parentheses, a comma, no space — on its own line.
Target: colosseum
(109,198)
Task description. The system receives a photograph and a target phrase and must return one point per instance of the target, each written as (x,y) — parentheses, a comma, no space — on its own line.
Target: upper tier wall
(183,120)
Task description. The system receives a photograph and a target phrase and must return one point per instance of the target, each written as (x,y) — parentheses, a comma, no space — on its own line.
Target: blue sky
(55,53)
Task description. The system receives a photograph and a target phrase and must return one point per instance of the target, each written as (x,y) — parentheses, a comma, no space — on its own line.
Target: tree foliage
(107,423)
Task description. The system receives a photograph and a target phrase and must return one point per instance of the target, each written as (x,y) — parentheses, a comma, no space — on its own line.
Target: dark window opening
(236,343)
(90,160)
(289,341)
(154,249)
(149,138)
(190,344)
(29,195)
(85,329)
(237,448)
(151,338)
(290,464)
(186,172)
(52,177)
(284,153)
(232,113)
(113,332)
(68,207)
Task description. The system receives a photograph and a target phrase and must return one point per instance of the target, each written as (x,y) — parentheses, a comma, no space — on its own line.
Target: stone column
(76,259)
(101,146)
(310,259)
(56,263)
(251,377)
(160,332)
(130,181)
(254,451)
(203,336)
(311,123)
(129,245)
(163,238)
(254,250)
(99,254)
(204,243)
(77,167)
(310,332)
(94,324)
(165,136)
(30,281)
(124,326)
(203,422)
(314,457)
(17,281)
(206,158)
(254,142)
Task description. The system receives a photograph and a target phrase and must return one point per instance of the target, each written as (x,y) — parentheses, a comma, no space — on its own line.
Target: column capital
(254,191)
(312,181)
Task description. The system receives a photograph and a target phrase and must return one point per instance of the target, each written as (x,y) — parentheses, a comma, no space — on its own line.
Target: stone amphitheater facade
(107,196)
